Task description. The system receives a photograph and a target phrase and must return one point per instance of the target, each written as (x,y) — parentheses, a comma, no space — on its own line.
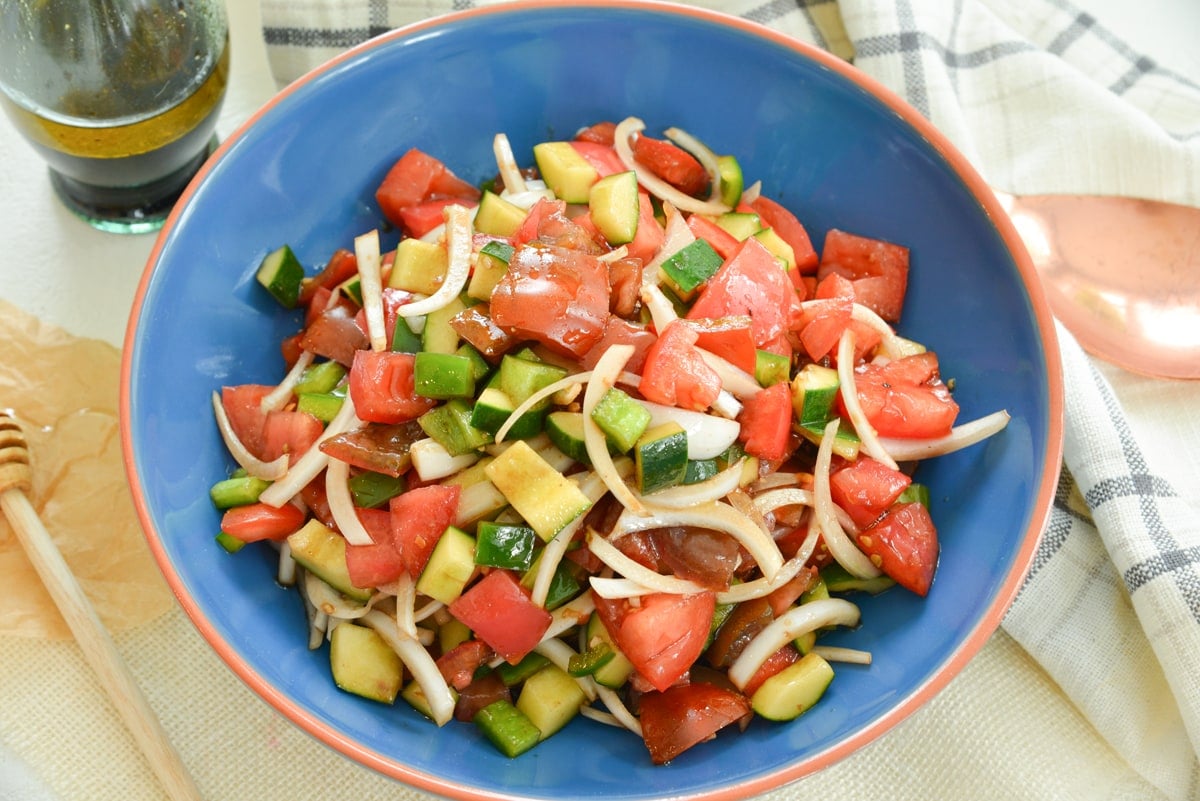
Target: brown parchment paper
(64,391)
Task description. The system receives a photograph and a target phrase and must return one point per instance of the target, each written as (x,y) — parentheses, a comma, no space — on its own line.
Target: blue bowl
(828,142)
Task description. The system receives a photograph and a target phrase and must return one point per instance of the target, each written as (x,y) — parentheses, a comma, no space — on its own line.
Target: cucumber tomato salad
(605,436)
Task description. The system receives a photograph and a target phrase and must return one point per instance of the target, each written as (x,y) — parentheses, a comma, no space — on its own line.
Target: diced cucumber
(622,419)
(230,543)
(660,457)
(439,336)
(614,206)
(498,217)
(492,408)
(320,377)
(616,671)
(404,340)
(591,660)
(239,491)
(700,470)
(450,566)
(568,174)
(507,728)
(443,376)
(846,443)
(451,634)
(322,405)
(689,267)
(363,664)
(563,584)
(531,663)
(415,696)
(732,181)
(504,546)
(837,579)
(281,274)
(740,224)
(419,266)
(491,263)
(479,365)
(521,377)
(352,288)
(819,591)
(771,368)
(794,690)
(814,395)
(371,490)
(550,698)
(546,498)
(565,430)
(915,493)
(777,247)
(450,426)
(322,551)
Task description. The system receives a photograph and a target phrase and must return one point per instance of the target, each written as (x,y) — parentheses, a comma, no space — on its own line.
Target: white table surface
(54,266)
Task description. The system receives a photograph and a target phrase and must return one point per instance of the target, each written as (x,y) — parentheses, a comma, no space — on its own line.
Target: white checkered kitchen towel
(1111,608)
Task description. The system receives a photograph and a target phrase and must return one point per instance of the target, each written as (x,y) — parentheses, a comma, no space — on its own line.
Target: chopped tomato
(500,612)
(476,326)
(723,242)
(878,269)
(702,555)
(750,282)
(381,386)
(675,374)
(906,397)
(421,218)
(603,133)
(484,690)
(772,665)
(625,278)
(556,296)
(743,624)
(379,447)
(415,178)
(260,521)
(618,331)
(341,265)
(377,563)
(458,665)
(904,545)
(790,230)
(672,163)
(865,488)
(766,421)
(731,338)
(662,635)
(419,518)
(335,334)
(243,406)
(317,500)
(602,157)
(289,432)
(677,718)
(650,235)
(784,597)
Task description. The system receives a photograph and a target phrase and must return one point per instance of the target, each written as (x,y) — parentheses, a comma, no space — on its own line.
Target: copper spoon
(94,641)
(1121,274)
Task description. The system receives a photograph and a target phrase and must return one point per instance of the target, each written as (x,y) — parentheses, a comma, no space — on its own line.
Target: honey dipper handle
(85,624)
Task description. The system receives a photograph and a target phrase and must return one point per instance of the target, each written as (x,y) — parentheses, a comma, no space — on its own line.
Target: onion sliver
(717,516)
(506,165)
(662,313)
(840,546)
(419,663)
(657,186)
(759,587)
(406,599)
(618,709)
(866,431)
(739,383)
(854,656)
(313,461)
(710,489)
(277,398)
(366,253)
(961,436)
(341,503)
(773,499)
(678,234)
(459,242)
(613,588)
(708,435)
(328,600)
(792,624)
(571,614)
(268,471)
(538,397)
(610,555)
(604,377)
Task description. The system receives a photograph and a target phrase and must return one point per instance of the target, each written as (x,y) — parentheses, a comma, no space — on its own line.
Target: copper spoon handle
(81,617)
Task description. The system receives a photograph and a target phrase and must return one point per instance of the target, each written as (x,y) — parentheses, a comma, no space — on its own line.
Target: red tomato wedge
(650,235)
(790,230)
(414,178)
(243,406)
(723,242)
(904,545)
(677,718)
(865,488)
(603,133)
(766,422)
(618,331)
(377,563)
(672,163)
(421,218)
(498,609)
(906,398)
(381,386)
(878,269)
(341,266)
(334,334)
(458,665)
(289,432)
(663,635)
(773,664)
(731,338)
(419,518)
(675,374)
(259,521)
(750,282)
(602,157)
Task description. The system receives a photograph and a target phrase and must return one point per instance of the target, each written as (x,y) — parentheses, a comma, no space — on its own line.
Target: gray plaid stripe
(1071,34)
(314,37)
(1062,521)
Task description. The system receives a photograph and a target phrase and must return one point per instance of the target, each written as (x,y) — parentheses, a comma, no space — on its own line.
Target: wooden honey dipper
(94,640)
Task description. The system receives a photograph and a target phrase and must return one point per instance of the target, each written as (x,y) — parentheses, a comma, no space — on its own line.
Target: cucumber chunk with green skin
(689,267)
(450,566)
(491,263)
(320,377)
(732,182)
(451,634)
(230,543)
(438,335)
(493,408)
(771,368)
(660,458)
(450,426)
(239,491)
(622,419)
(443,376)
(794,690)
(915,492)
(565,171)
(616,671)
(550,698)
(543,496)
(371,490)
(497,216)
(846,443)
(520,378)
(281,274)
(479,365)
(700,470)
(741,225)
(814,395)
(507,728)
(512,675)
(615,208)
(837,579)
(363,664)
(322,405)
(777,247)
(565,430)
(419,266)
(504,546)
(322,552)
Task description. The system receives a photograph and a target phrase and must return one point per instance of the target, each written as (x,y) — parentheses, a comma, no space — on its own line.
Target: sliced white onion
(432,461)
(459,243)
(537,397)
(703,154)
(751,192)
(708,435)
(833,653)
(740,384)
(313,461)
(366,253)
(839,544)
(559,653)
(419,662)
(277,398)
(655,185)
(706,491)
(285,571)
(610,555)
(604,377)
(773,499)
(527,199)
(268,471)
(614,255)
(328,600)
(613,588)
(717,516)
(506,164)
(406,598)
(341,503)
(726,405)
(612,701)
(662,312)
(961,436)
(866,431)
(477,501)
(787,627)
(759,587)
(571,614)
